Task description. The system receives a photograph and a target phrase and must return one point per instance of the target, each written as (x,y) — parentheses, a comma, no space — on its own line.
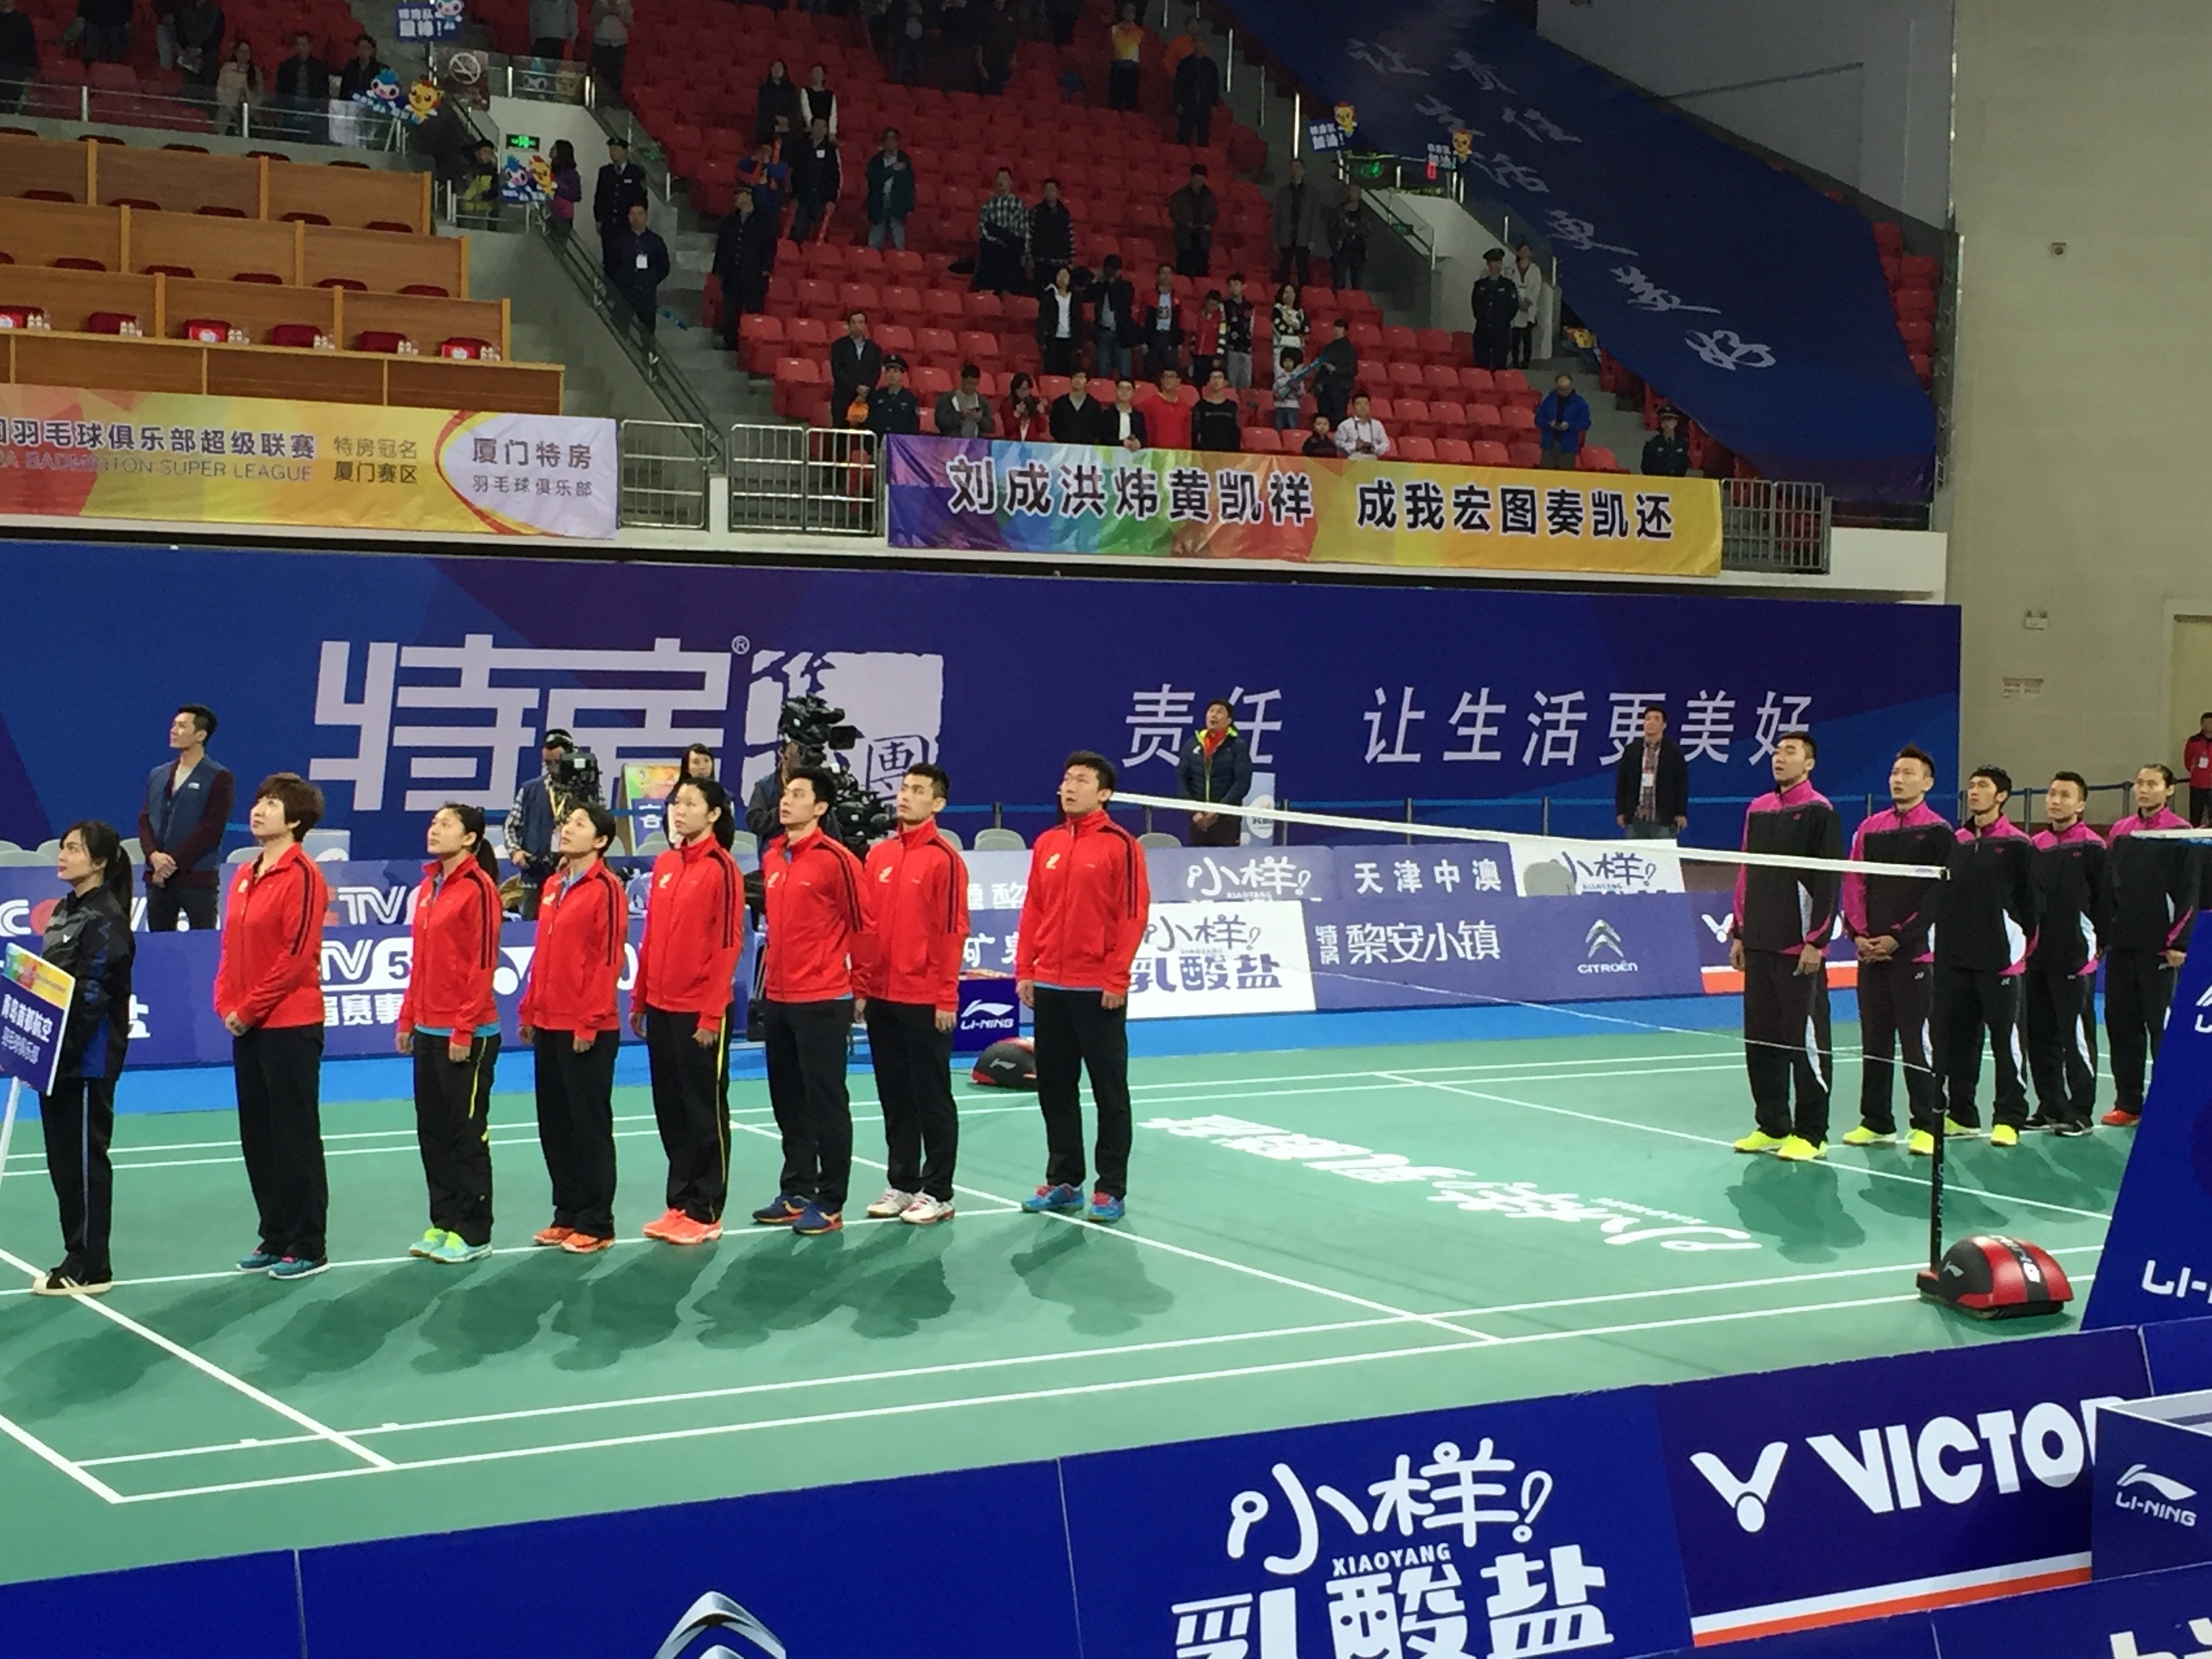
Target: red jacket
(2196,756)
(578,959)
(814,919)
(270,973)
(688,960)
(915,898)
(456,952)
(1089,898)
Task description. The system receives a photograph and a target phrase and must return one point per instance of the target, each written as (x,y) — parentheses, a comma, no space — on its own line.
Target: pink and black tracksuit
(2059,1003)
(1896,992)
(1985,924)
(1778,912)
(2150,901)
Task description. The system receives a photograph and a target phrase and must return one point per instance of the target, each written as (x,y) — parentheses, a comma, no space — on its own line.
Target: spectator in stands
(1237,334)
(1192,211)
(552,28)
(180,825)
(1290,321)
(1206,339)
(303,89)
(1115,325)
(568,191)
(1347,240)
(998,33)
(910,45)
(621,183)
(1321,441)
(165,32)
(1291,374)
(639,266)
(775,110)
(1166,409)
(1052,236)
(611,27)
(818,178)
(1124,47)
(965,411)
(817,102)
(1076,417)
(1125,424)
(362,68)
(766,176)
(1666,452)
(478,202)
(876,15)
(856,364)
(200,24)
(1651,783)
(1002,237)
(1022,419)
(1527,277)
(1561,420)
(891,193)
(2196,762)
(19,56)
(1163,324)
(744,242)
(892,408)
(1495,299)
(105,36)
(1217,421)
(1336,371)
(1298,218)
(1061,16)
(1060,322)
(238,87)
(1362,437)
(1215,770)
(1197,90)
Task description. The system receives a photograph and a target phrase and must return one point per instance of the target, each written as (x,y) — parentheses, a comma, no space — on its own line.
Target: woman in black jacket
(778,115)
(1216,767)
(88,937)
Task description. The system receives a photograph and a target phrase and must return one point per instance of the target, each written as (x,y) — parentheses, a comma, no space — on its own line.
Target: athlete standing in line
(1986,918)
(2061,1013)
(2150,899)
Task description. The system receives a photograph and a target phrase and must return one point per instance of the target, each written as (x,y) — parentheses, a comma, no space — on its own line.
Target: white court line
(208,1368)
(1708,1140)
(75,1472)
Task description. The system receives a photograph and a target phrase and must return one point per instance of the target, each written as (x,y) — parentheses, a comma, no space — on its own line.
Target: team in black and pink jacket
(1780,915)
(2060,1002)
(1893,917)
(2150,906)
(1985,927)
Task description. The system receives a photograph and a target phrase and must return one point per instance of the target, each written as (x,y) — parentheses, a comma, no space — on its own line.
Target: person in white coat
(1527,277)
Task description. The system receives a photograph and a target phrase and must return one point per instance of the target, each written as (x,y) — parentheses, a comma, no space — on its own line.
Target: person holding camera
(535,818)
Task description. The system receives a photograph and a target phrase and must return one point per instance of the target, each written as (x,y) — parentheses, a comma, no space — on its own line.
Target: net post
(1935,1190)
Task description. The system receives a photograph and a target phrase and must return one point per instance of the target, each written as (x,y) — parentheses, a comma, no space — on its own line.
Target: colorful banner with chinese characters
(34,1005)
(1064,498)
(72,453)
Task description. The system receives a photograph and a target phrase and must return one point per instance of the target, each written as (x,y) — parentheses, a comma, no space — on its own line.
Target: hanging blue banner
(1748,297)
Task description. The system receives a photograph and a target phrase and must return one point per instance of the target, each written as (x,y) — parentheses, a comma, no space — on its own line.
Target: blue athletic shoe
(300,1266)
(1062,1199)
(781,1210)
(259,1261)
(1104,1206)
(814,1219)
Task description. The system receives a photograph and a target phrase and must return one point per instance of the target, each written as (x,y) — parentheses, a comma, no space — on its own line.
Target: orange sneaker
(684,1231)
(658,1228)
(2120,1118)
(552,1236)
(586,1244)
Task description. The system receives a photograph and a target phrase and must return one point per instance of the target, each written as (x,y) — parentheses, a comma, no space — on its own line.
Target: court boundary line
(45,1454)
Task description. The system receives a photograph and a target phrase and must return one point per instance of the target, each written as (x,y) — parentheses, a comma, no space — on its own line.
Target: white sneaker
(926,1209)
(893,1202)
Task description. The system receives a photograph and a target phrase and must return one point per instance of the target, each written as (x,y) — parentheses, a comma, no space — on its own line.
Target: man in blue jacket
(1561,420)
(180,825)
(1216,768)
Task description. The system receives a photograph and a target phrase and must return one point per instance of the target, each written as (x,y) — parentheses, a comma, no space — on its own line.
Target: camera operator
(767,794)
(534,820)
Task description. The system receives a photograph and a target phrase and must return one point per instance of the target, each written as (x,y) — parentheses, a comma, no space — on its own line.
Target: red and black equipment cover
(1992,1277)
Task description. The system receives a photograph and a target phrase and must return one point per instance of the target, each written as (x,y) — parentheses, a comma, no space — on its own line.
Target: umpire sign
(34,1003)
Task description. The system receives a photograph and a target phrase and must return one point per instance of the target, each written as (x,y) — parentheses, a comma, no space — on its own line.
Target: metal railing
(822,480)
(334,122)
(1770,525)
(664,474)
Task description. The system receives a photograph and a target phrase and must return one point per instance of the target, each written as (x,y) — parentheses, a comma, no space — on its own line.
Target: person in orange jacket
(449,998)
(1081,920)
(268,995)
(905,981)
(571,1018)
(680,1004)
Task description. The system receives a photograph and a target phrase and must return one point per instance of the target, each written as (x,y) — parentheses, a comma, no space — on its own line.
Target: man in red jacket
(906,977)
(1084,914)
(811,888)
(2196,757)
(268,994)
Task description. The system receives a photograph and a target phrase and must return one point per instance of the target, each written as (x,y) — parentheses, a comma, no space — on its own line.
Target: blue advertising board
(2159,1615)
(2180,1353)
(1534,1527)
(1832,1492)
(2154,1472)
(399,683)
(238,1607)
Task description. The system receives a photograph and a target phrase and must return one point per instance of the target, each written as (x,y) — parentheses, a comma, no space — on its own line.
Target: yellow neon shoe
(1921,1142)
(1798,1150)
(1759,1141)
(2004,1135)
(1864,1136)
(1955,1130)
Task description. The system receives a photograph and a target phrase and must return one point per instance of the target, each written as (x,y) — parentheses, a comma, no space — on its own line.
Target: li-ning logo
(717,1613)
(982,1013)
(1602,938)
(2204,1002)
(2166,1506)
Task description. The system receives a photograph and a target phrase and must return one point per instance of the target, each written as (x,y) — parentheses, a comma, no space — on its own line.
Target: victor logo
(717,1613)
(1747,1497)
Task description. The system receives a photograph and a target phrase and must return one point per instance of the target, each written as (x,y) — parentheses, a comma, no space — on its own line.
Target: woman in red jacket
(680,1004)
(569,1016)
(449,999)
(268,994)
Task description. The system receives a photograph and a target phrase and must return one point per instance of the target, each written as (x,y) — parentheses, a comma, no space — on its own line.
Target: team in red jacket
(811,886)
(680,1004)
(269,994)
(449,1021)
(1083,918)
(905,972)
(570,1019)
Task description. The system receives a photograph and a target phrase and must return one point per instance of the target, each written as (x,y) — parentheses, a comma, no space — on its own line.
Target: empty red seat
(809,334)
(1509,380)
(1407,378)
(76,262)
(1474,380)
(816,297)
(1366,338)
(1416,448)
(1402,343)
(859,296)
(1450,416)
(1888,236)
(1914,301)
(895,336)
(983,307)
(1523,454)
(1919,333)
(1517,418)
(936,344)
(1485,452)
(942,307)
(1441,376)
(931,381)
(1382,409)
(1435,345)
(258,277)
(977,347)
(1413,417)
(1918,270)
(351,284)
(1595,458)
(1455,451)
(903,302)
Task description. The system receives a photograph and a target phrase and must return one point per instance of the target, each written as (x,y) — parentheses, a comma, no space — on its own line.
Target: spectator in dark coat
(1162,321)
(1192,211)
(1322,440)
(1060,322)
(199,43)
(1197,90)
(1666,452)
(621,183)
(1496,300)
(362,68)
(1217,421)
(106,36)
(1296,224)
(744,243)
(638,266)
(776,111)
(1216,768)
(856,364)
(1651,783)
(817,178)
(19,54)
(1336,371)
(1052,235)
(1075,416)
(890,192)
(997,36)
(1115,325)
(1347,240)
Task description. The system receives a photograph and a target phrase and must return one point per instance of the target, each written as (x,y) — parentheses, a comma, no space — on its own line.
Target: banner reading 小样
(72,453)
(1064,498)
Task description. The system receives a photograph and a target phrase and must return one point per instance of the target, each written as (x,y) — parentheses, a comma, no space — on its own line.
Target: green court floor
(1313,1234)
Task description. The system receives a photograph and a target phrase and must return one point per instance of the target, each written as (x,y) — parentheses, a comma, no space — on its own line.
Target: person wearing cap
(620,182)
(1496,300)
(1666,452)
(534,821)
(892,406)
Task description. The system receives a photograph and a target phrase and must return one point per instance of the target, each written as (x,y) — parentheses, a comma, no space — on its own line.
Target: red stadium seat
(809,334)
(1486,419)
(1436,346)
(932,382)
(1407,379)
(1913,301)
(1595,458)
(1517,419)
(977,347)
(1527,454)
(1414,419)
(1483,452)
(1918,270)
(902,302)
(895,337)
(1473,381)
(937,345)
(1366,339)
(1440,377)
(1263,441)
(1450,415)
(1919,333)
(1416,449)
(1454,451)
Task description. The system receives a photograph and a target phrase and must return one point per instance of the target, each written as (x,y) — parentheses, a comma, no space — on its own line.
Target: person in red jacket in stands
(268,995)
(681,1004)
(906,979)
(811,885)
(1166,409)
(571,1019)
(1084,914)
(449,1001)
